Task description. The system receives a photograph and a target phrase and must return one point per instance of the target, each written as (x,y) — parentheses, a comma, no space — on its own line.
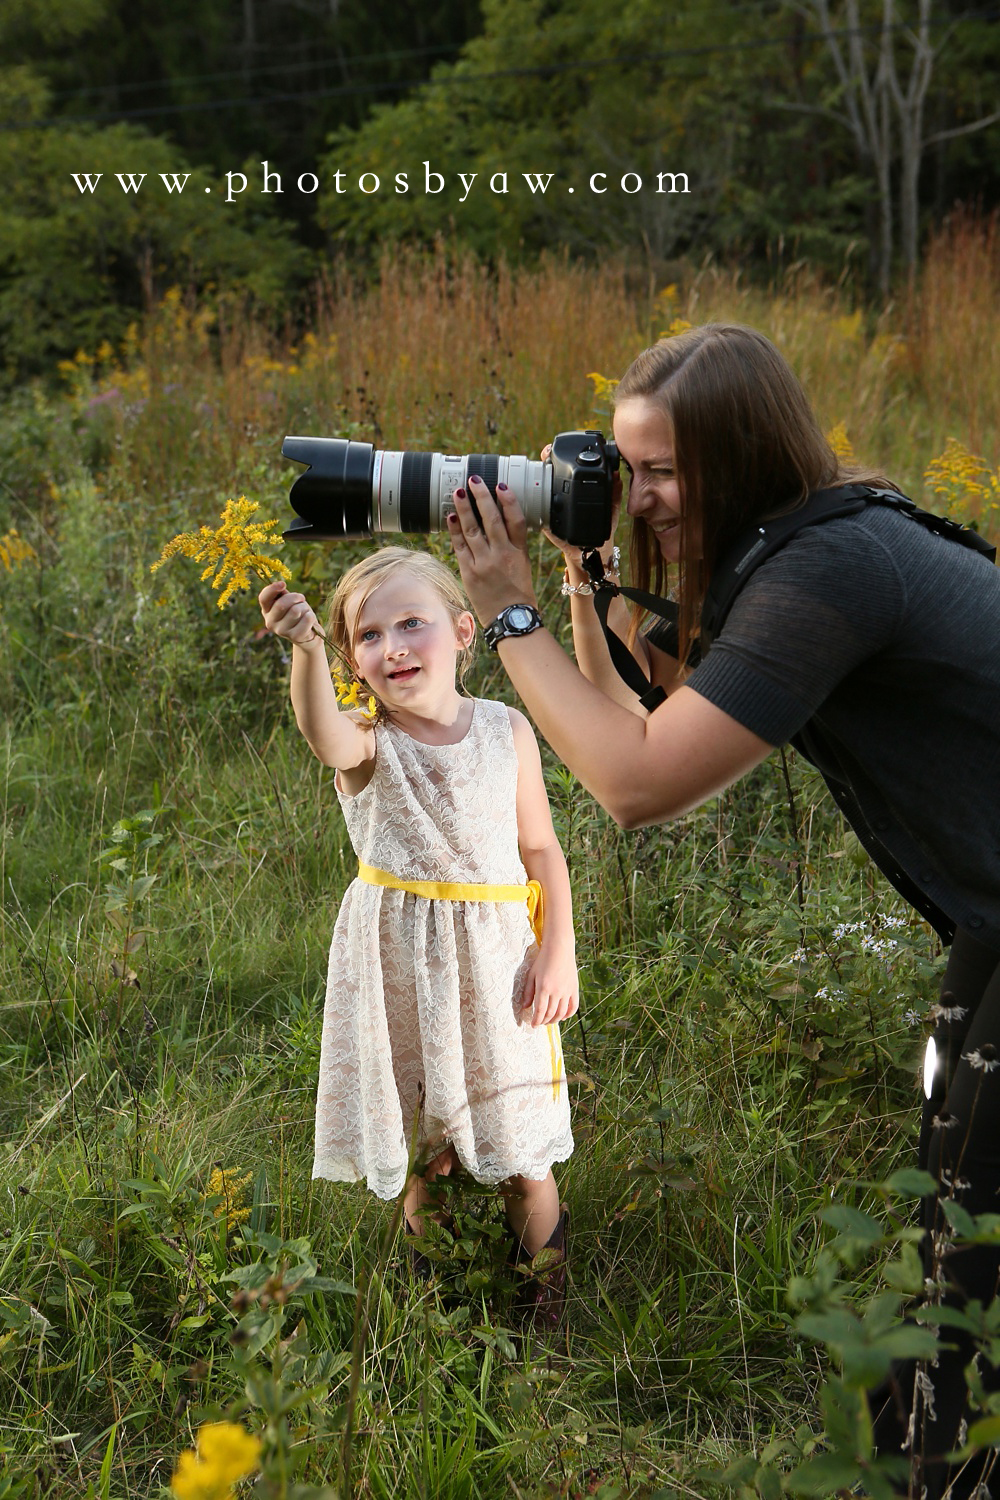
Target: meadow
(753,993)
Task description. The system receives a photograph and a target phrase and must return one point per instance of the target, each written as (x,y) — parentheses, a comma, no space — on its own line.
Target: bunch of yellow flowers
(226,1453)
(959,475)
(232,550)
(232,1189)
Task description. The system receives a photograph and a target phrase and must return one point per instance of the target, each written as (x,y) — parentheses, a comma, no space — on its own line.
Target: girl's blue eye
(367,635)
(411,621)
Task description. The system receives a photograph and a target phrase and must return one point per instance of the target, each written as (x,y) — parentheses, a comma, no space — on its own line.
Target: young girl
(442,1009)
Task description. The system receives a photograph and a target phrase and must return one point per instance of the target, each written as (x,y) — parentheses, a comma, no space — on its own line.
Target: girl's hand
(288,615)
(492,558)
(552,988)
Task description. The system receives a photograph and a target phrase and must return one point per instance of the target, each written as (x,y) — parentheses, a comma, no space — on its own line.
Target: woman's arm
(640,770)
(591,648)
(335,738)
(552,987)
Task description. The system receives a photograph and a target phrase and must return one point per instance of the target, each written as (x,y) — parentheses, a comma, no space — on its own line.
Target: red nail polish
(501,487)
(460,494)
(475,479)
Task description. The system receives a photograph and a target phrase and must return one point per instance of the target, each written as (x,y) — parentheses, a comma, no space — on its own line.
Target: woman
(872,642)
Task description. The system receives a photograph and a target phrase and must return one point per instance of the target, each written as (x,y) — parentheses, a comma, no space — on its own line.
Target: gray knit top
(874,645)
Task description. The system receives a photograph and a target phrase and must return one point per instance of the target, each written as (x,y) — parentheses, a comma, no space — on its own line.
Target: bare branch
(949,135)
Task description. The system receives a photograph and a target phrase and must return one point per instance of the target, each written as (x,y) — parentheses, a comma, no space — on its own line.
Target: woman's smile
(645,440)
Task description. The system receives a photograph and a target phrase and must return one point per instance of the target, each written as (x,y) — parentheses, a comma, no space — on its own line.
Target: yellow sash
(448,890)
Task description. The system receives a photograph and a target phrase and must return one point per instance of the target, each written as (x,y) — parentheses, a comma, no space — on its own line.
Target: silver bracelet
(611,566)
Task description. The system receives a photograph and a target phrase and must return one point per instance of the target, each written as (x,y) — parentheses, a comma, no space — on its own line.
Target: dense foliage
(744,125)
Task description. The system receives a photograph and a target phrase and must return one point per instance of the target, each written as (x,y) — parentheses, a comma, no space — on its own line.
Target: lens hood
(333,497)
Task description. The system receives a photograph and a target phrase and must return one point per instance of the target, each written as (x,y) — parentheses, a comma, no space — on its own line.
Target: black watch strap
(516,619)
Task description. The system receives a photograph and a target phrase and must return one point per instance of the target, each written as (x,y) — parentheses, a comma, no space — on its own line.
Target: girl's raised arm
(335,738)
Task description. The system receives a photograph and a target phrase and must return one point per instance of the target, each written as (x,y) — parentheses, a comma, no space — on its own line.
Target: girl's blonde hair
(361,581)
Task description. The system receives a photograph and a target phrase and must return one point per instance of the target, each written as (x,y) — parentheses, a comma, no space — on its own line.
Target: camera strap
(650,695)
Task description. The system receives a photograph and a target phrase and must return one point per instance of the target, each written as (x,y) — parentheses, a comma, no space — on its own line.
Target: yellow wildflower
(232,1189)
(958,475)
(841,443)
(674,327)
(230,550)
(226,1453)
(603,385)
(349,696)
(15,551)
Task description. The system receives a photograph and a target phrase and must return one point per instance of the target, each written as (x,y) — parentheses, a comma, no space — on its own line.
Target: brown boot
(541,1298)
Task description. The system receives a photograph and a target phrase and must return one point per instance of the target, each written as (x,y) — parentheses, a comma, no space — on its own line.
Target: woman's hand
(492,558)
(288,615)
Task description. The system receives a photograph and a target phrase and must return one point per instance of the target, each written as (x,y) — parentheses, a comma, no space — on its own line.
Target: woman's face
(646,443)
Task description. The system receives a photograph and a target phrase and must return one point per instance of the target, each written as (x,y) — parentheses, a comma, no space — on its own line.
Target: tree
(884,72)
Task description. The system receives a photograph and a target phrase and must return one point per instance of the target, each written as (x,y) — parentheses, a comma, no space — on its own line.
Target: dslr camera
(352,490)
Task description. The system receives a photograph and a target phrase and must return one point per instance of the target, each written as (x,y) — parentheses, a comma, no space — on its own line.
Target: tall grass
(735,1062)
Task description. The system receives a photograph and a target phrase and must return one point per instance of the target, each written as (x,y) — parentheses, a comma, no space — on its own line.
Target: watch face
(519,617)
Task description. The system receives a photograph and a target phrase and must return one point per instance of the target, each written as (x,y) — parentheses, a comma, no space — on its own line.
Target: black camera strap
(650,695)
(752,547)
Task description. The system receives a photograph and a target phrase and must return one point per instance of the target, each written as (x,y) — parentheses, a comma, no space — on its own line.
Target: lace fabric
(424,1040)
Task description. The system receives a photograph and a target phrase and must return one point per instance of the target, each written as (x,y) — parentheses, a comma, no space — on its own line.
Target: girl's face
(406,642)
(646,442)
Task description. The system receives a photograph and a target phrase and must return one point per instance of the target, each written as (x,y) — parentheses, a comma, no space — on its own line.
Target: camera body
(353,490)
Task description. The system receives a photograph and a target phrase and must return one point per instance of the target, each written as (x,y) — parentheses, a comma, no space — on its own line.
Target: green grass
(724,1090)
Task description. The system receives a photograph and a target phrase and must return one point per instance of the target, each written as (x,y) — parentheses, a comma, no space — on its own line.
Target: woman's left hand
(492,558)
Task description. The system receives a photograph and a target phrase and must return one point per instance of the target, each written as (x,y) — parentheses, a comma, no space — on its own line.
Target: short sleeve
(830,601)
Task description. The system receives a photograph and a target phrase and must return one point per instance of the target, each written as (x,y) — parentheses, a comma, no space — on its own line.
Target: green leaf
(769,1484)
(836,1327)
(984,1434)
(851,1221)
(910,1182)
(959,1218)
(819,1476)
(908,1342)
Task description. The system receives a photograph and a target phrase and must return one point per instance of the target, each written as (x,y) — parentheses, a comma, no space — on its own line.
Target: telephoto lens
(353,490)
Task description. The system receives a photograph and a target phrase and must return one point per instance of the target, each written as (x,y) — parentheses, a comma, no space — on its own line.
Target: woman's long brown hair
(746,445)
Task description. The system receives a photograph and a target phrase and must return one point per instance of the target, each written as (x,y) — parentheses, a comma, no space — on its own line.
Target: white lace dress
(423,1017)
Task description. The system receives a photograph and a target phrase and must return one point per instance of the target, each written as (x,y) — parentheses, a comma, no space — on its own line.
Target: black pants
(960,1146)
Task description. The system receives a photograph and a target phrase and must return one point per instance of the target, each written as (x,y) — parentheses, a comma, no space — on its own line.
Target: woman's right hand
(288,615)
(574,555)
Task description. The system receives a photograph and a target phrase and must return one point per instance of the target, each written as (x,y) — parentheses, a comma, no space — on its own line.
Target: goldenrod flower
(349,696)
(958,475)
(232,1189)
(841,443)
(15,551)
(226,1453)
(231,550)
(604,387)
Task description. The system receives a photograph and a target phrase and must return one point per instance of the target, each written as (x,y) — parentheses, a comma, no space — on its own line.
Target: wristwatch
(516,619)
